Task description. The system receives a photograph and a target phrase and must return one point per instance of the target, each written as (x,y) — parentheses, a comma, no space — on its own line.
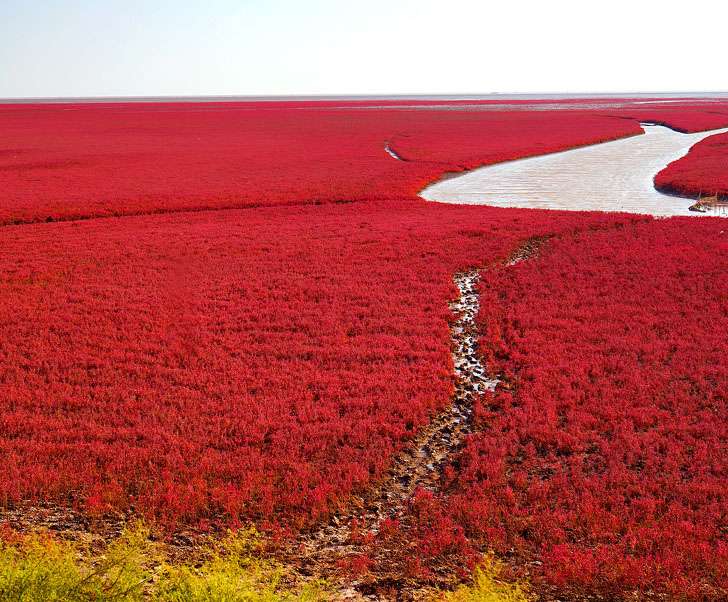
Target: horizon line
(324,97)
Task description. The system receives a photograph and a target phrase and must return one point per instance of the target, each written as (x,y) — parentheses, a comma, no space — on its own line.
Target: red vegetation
(65,162)
(605,454)
(459,140)
(265,363)
(60,162)
(688,117)
(702,172)
(252,363)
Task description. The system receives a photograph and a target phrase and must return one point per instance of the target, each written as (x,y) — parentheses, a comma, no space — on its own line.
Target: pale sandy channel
(612,176)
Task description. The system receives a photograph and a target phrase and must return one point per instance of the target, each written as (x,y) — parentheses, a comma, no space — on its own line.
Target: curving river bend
(612,176)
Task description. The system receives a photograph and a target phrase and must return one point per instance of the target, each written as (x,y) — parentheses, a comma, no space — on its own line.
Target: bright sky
(261,47)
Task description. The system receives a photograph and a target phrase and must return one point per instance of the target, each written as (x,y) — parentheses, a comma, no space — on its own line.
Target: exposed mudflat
(613,176)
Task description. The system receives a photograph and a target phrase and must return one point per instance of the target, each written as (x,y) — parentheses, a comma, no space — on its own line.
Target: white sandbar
(612,176)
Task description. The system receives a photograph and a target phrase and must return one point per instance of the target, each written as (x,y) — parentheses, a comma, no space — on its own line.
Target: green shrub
(234,571)
(37,568)
(487,587)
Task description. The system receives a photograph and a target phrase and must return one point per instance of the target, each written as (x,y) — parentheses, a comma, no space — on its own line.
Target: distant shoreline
(361,97)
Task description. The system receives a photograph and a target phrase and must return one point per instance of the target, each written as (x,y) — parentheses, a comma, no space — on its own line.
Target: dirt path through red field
(331,548)
(271,343)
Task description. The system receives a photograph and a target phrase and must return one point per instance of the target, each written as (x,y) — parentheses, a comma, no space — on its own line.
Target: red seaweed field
(221,314)
(701,173)
(602,455)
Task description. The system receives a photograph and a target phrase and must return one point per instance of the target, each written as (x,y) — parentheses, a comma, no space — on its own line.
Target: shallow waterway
(611,176)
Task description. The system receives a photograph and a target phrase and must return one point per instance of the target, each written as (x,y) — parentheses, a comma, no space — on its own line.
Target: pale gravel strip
(470,373)
(612,176)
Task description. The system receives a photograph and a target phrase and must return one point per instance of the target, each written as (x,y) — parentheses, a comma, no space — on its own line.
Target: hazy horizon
(323,48)
(506,97)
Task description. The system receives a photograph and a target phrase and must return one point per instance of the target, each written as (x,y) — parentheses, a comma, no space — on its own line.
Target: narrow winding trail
(612,176)
(421,464)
